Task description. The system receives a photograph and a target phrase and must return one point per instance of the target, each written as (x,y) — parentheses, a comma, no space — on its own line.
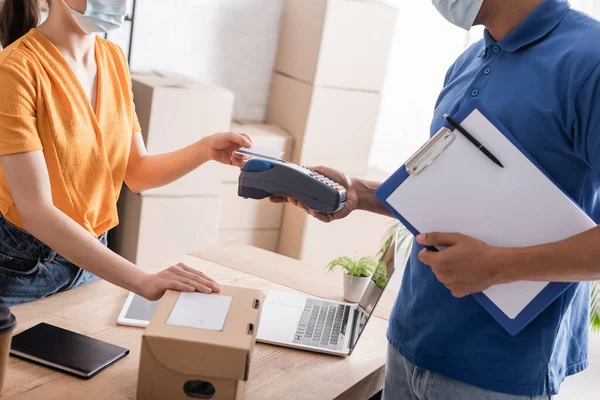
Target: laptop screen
(373,293)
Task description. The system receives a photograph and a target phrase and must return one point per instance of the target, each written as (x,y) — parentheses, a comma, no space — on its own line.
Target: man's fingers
(317,215)
(438,239)
(332,174)
(320,216)
(321,169)
(427,256)
(279,199)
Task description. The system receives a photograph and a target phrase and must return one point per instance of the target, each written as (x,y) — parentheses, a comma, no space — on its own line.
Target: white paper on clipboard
(514,206)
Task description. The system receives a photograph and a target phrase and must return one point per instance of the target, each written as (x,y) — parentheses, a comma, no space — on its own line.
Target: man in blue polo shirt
(538,71)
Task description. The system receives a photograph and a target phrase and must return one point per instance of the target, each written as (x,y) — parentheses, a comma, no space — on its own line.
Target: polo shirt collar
(537,25)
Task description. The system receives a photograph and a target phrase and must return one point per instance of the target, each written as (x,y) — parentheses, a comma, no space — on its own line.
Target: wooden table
(275,373)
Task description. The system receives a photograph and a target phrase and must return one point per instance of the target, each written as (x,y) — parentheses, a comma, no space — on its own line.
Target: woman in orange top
(69,139)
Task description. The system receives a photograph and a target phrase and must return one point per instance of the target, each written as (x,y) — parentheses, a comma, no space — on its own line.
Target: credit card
(260,152)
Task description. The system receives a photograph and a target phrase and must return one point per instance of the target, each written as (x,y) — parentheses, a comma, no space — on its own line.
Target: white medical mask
(100,16)
(461,13)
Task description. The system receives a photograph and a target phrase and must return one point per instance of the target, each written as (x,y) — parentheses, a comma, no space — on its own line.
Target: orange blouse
(44,107)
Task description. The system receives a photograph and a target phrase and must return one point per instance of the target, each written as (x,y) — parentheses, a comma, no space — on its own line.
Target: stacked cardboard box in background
(326,92)
(330,70)
(163,223)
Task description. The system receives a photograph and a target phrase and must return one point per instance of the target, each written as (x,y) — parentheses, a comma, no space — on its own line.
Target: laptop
(318,325)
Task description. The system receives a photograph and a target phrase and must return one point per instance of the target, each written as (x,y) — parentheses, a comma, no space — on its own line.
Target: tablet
(66,351)
(137,311)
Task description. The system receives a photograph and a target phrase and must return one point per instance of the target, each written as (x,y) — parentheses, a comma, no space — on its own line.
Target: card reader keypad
(322,324)
(323,178)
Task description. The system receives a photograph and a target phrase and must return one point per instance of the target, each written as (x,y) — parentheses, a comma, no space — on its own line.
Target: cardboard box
(174,112)
(309,240)
(183,362)
(153,230)
(240,213)
(337,43)
(330,126)
(267,239)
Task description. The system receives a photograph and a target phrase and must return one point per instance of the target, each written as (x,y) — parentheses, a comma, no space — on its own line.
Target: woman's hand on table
(177,277)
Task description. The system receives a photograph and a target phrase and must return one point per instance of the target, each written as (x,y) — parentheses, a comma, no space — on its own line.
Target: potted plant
(357,274)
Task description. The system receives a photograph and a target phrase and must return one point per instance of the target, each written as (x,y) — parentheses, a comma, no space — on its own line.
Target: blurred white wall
(232,43)
(424,48)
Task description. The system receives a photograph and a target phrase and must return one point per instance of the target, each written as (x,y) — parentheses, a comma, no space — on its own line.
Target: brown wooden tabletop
(276,372)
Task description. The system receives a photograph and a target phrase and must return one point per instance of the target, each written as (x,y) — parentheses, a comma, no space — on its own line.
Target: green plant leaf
(380,275)
(364,266)
(404,241)
(404,245)
(595,307)
(388,237)
(343,262)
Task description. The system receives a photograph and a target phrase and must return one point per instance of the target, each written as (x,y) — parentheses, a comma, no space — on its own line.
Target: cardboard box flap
(155,80)
(203,352)
(161,79)
(171,75)
(260,129)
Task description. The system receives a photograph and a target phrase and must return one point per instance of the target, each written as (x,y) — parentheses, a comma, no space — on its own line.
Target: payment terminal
(263,177)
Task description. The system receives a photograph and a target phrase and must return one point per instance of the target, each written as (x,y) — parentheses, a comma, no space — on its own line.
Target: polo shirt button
(475,92)
(487,71)
(496,49)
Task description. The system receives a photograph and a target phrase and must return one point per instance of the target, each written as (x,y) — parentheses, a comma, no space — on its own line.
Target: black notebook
(67,351)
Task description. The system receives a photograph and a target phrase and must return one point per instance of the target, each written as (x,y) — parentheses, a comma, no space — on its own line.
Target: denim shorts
(404,381)
(30,270)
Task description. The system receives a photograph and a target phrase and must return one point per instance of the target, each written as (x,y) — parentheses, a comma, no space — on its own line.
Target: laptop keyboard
(321,324)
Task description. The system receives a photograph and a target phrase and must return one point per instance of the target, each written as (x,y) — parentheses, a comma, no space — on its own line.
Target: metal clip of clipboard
(428,153)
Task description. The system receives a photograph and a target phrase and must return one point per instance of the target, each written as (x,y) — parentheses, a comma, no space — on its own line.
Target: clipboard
(448,185)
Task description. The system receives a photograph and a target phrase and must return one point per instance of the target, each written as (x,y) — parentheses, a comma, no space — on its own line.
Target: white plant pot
(354,287)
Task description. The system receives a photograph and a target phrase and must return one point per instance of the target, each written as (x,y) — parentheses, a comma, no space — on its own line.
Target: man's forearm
(367,201)
(152,171)
(69,239)
(571,260)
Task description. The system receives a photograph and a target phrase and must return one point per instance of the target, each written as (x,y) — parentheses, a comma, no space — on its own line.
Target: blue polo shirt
(542,81)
